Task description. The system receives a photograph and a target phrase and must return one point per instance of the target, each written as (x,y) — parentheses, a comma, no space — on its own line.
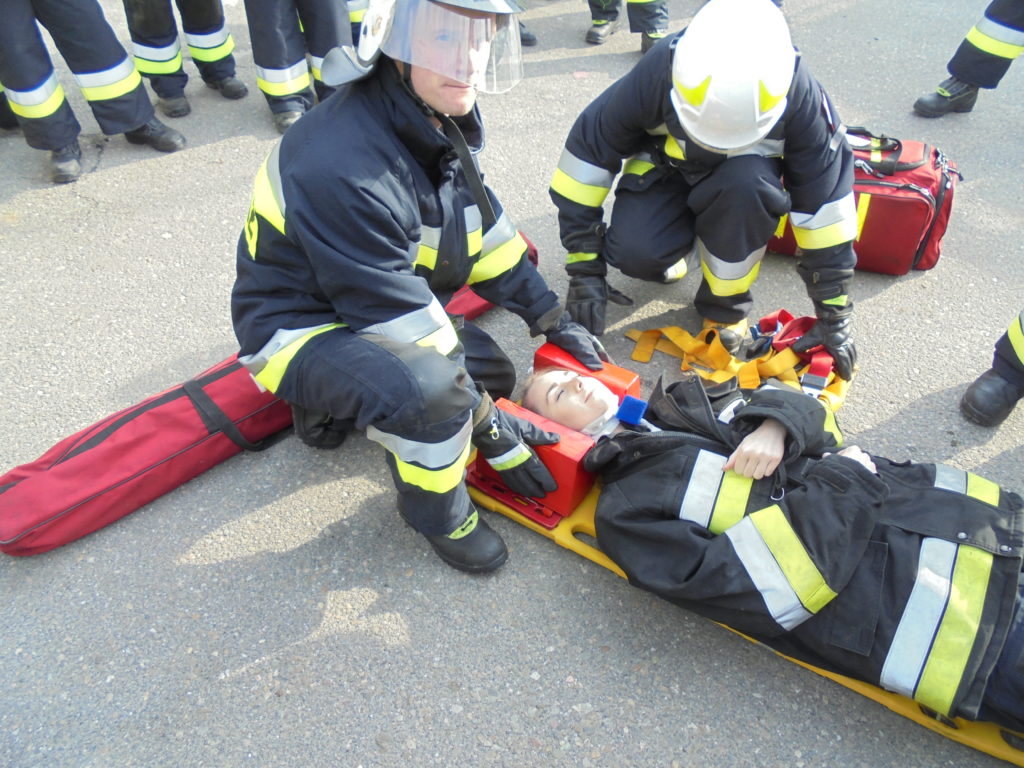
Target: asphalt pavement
(275,612)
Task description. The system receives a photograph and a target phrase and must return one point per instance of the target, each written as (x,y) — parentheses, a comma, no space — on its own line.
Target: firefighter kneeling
(365,218)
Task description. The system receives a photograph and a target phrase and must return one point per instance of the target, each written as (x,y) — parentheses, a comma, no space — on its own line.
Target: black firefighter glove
(559,328)
(504,440)
(832,331)
(587,299)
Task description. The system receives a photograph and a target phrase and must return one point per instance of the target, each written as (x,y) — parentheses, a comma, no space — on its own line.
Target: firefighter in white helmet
(365,218)
(723,130)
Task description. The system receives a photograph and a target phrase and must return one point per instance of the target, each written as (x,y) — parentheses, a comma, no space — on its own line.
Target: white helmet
(731,71)
(475,42)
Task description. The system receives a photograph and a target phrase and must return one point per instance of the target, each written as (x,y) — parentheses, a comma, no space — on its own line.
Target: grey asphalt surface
(275,612)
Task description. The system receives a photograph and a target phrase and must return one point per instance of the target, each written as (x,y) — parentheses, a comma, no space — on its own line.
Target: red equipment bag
(108,470)
(904,194)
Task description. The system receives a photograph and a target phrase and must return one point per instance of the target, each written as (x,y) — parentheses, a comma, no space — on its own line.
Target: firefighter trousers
(103,70)
(644,15)
(990,47)
(726,217)
(412,400)
(1008,360)
(282,32)
(158,51)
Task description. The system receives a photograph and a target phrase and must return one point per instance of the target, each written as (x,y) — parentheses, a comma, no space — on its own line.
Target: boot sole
(980,419)
(469,568)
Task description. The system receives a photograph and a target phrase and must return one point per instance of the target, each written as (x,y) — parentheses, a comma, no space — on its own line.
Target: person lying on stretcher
(743,509)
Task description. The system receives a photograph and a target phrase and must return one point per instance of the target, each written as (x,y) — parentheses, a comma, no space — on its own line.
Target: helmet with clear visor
(474,42)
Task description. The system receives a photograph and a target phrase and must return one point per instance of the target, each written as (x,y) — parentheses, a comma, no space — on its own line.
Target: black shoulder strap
(476,184)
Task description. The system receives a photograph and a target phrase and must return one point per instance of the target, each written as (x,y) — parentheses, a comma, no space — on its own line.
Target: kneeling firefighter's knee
(441,389)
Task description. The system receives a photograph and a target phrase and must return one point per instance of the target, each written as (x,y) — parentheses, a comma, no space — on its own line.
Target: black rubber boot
(650,39)
(989,399)
(230,88)
(473,547)
(175,106)
(601,30)
(952,95)
(66,163)
(157,135)
(285,120)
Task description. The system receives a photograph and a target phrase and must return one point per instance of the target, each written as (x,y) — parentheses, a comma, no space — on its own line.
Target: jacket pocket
(855,610)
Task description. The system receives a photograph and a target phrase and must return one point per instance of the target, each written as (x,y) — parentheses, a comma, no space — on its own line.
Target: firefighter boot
(157,135)
(66,163)
(230,88)
(473,547)
(175,106)
(601,30)
(649,39)
(285,120)
(989,399)
(952,95)
(730,334)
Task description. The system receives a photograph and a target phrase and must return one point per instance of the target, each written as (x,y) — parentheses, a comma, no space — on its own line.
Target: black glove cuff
(593,267)
(549,321)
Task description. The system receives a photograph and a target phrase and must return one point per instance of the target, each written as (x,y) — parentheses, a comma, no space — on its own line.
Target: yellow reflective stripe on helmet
(157,61)
(584,194)
(989,44)
(1016,335)
(283,82)
(789,552)
(110,83)
(272,373)
(696,94)
(958,631)
(767,100)
(41,101)
(498,260)
(637,166)
(434,480)
(673,149)
(575,258)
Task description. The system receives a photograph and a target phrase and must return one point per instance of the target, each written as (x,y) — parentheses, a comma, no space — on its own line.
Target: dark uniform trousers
(102,68)
(644,15)
(282,31)
(371,382)
(158,52)
(1008,361)
(733,210)
(991,46)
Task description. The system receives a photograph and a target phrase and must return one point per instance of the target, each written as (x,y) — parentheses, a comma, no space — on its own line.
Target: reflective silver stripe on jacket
(502,231)
(950,478)
(413,326)
(702,489)
(779,596)
(763,148)
(921,617)
(429,455)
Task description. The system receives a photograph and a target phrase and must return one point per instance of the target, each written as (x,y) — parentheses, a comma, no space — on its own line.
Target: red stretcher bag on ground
(117,465)
(904,193)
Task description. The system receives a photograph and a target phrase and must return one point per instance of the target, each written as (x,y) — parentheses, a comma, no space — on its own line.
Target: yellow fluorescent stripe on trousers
(954,641)
(271,375)
(444,339)
(150,67)
(789,552)
(36,111)
(213,54)
(983,42)
(577,192)
(722,287)
(1016,336)
(434,480)
(112,91)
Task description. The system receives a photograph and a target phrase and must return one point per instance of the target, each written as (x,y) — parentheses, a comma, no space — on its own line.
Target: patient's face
(568,398)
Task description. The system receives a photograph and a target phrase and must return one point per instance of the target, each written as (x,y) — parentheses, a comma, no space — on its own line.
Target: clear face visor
(473,48)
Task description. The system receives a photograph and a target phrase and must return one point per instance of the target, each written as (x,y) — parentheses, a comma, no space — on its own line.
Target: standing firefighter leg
(993,395)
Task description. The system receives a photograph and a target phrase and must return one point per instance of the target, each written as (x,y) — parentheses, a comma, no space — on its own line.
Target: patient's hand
(759,453)
(855,453)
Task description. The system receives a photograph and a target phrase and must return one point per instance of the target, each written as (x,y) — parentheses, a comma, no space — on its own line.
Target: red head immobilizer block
(563,459)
